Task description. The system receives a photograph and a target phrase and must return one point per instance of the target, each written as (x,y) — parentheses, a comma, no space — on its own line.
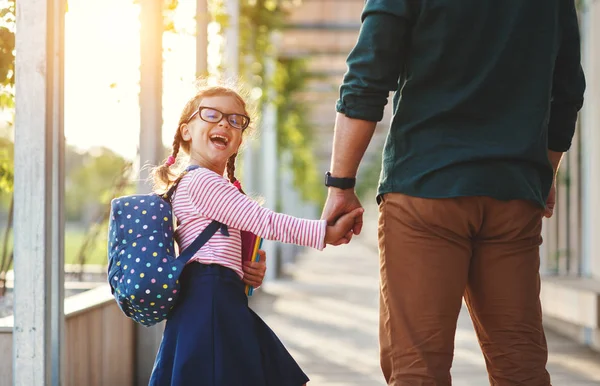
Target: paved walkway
(326,313)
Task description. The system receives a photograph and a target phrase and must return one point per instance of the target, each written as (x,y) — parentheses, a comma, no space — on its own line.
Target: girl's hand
(254,271)
(341,231)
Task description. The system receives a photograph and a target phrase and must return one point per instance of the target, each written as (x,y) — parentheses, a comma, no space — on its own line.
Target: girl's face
(212,143)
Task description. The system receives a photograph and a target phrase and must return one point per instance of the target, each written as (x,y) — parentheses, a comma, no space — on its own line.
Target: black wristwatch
(340,183)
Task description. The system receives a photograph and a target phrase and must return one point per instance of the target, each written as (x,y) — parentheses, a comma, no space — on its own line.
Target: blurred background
(129,68)
(291,55)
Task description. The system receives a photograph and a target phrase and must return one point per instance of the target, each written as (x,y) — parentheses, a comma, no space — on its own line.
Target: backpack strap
(202,238)
(206,234)
(169,193)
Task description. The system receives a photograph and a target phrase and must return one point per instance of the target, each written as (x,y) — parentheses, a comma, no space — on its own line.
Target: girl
(212,338)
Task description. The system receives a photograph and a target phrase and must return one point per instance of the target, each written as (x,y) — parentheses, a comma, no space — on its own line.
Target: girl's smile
(215,132)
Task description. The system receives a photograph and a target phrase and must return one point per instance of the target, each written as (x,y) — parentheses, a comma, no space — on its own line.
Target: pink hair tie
(237,185)
(170,161)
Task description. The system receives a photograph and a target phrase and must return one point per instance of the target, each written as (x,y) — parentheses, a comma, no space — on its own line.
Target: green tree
(7,54)
(89,181)
(7,201)
(95,236)
(6,166)
(260,18)
(294,131)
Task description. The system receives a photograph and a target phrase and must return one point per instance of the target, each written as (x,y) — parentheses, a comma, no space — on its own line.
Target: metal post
(289,203)
(232,40)
(232,73)
(269,162)
(58,194)
(38,194)
(249,164)
(202,18)
(590,119)
(151,150)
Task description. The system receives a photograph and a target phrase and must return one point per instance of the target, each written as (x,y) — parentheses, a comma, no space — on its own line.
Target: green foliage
(120,185)
(368,179)
(6,166)
(260,18)
(75,238)
(294,132)
(169,7)
(7,54)
(90,177)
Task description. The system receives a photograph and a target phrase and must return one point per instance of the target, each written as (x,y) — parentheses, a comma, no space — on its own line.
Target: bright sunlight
(102,48)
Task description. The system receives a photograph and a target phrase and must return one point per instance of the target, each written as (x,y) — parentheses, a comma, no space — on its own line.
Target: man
(486,98)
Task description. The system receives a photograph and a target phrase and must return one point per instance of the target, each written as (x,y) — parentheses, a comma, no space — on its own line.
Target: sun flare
(102,60)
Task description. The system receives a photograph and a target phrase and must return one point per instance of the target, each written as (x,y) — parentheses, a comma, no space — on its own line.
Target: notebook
(251,243)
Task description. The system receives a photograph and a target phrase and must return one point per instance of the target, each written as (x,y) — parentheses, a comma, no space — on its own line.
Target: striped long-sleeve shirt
(203,196)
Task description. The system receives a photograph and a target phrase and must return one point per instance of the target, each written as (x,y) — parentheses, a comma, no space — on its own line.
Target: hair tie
(170,161)
(237,184)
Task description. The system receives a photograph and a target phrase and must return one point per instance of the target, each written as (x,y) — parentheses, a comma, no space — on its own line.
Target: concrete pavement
(326,313)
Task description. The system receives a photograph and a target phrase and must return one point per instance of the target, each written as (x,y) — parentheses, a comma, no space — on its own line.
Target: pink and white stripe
(203,196)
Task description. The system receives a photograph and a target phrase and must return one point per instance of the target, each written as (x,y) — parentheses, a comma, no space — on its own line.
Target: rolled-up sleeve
(568,84)
(377,61)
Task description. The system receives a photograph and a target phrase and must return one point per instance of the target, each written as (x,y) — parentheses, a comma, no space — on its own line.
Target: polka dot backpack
(143,271)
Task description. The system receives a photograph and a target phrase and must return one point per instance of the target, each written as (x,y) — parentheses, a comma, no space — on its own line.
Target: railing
(99,342)
(561,254)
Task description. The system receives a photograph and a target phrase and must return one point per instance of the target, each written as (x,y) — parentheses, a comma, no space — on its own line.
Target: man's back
(486,103)
(473,113)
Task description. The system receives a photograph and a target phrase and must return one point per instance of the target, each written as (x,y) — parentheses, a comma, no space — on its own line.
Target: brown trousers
(435,251)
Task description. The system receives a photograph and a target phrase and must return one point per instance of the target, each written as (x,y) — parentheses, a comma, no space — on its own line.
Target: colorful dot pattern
(143,271)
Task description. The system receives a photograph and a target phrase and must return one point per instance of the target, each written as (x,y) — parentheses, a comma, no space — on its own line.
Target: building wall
(571,251)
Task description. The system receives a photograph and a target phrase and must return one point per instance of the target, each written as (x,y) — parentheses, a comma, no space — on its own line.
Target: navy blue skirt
(212,338)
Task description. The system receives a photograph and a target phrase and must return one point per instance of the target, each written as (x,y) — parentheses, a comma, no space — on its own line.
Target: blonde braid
(231,171)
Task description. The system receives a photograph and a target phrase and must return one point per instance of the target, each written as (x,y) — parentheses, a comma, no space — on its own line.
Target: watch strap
(339,182)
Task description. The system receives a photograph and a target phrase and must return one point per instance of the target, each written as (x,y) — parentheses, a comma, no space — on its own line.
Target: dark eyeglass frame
(223,115)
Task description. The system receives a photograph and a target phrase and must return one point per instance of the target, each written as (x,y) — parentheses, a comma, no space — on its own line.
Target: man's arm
(568,84)
(555,157)
(568,87)
(374,69)
(351,138)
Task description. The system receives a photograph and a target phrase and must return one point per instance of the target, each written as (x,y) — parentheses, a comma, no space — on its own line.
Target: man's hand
(351,138)
(555,158)
(254,271)
(550,201)
(340,202)
(341,231)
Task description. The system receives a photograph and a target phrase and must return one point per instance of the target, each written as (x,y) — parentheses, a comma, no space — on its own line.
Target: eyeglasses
(211,115)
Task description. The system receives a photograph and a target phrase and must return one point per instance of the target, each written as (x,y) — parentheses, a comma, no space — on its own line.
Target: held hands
(344,206)
(341,231)
(254,271)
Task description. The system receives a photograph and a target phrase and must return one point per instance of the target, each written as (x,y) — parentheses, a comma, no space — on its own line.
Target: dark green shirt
(482,90)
